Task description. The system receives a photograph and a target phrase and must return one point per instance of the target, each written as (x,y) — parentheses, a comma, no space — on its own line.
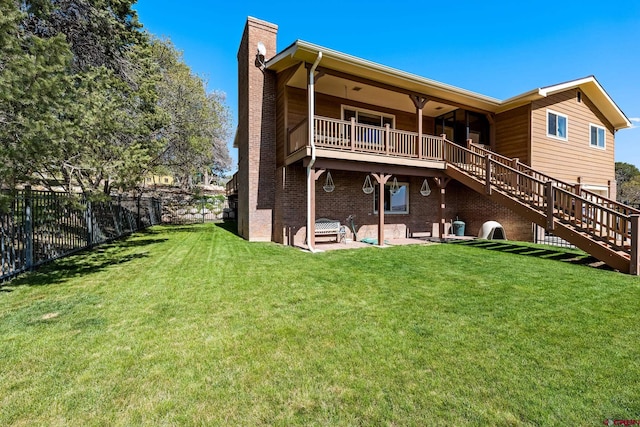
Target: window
(393,204)
(556,125)
(367,117)
(598,136)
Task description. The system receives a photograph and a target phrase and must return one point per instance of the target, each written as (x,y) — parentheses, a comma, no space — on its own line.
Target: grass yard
(192,325)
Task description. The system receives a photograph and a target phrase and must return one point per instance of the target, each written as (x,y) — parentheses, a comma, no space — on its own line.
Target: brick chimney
(256,132)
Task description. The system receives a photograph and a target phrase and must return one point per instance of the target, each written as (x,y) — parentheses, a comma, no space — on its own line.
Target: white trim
(364,110)
(604,146)
(546,124)
(589,86)
(386,212)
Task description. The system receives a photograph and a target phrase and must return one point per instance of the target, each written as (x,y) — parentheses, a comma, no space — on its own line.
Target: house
(323,134)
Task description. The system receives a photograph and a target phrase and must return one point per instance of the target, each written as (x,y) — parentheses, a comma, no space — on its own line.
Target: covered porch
(406,200)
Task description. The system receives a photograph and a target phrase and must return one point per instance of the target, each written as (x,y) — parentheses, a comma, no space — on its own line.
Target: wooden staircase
(602,227)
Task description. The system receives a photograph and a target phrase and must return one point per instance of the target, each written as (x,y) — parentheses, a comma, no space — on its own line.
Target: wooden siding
(330,106)
(574,158)
(513,133)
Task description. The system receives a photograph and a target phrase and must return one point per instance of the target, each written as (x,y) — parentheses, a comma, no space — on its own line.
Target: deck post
(634,264)
(487,173)
(382,180)
(550,205)
(444,146)
(387,138)
(419,102)
(353,133)
(577,189)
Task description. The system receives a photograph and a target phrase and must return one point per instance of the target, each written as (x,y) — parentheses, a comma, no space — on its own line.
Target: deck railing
(351,136)
(610,221)
(572,188)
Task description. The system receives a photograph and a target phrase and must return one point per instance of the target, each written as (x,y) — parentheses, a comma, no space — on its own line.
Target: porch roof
(305,52)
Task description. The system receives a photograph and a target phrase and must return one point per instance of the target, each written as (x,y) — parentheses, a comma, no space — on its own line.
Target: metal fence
(544,237)
(40,226)
(193,210)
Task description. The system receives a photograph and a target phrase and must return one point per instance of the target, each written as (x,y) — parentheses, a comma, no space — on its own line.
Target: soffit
(305,52)
(409,83)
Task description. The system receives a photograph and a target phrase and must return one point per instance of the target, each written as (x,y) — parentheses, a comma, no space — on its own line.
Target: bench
(329,227)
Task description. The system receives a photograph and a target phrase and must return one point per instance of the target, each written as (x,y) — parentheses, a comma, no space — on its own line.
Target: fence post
(89,221)
(138,220)
(550,205)
(634,264)
(28,228)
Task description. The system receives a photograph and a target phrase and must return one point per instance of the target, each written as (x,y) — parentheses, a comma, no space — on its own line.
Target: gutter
(312,124)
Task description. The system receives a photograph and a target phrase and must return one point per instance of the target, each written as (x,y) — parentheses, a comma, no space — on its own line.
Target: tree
(34,86)
(627,179)
(195,139)
(90,102)
(78,95)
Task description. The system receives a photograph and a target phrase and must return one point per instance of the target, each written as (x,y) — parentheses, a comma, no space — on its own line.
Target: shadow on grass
(538,252)
(229,226)
(87,261)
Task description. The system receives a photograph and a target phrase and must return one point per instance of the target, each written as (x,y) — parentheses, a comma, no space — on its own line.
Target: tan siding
(513,131)
(568,160)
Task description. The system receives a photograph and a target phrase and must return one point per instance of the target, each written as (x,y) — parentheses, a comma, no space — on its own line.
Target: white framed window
(557,125)
(368,117)
(598,136)
(397,203)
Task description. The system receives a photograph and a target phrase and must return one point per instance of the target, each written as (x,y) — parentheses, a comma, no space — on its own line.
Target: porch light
(367,187)
(394,186)
(425,190)
(328,184)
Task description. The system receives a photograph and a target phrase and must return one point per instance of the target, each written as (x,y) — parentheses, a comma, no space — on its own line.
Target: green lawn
(193,326)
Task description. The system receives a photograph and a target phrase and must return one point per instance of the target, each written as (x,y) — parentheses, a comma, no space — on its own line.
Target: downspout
(312,124)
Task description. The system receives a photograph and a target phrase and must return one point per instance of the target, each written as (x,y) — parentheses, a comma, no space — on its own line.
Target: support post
(387,137)
(315,174)
(577,189)
(382,180)
(444,146)
(419,102)
(634,262)
(550,205)
(353,134)
(487,174)
(442,183)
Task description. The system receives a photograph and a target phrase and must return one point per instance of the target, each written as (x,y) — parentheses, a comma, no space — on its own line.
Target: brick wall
(348,198)
(256,133)
(474,209)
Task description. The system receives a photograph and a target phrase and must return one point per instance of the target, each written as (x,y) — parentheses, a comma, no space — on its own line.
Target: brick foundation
(349,199)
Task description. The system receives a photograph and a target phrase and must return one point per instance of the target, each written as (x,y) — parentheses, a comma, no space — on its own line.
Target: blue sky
(496,48)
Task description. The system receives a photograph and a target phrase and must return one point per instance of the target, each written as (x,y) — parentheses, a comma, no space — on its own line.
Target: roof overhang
(589,86)
(304,52)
